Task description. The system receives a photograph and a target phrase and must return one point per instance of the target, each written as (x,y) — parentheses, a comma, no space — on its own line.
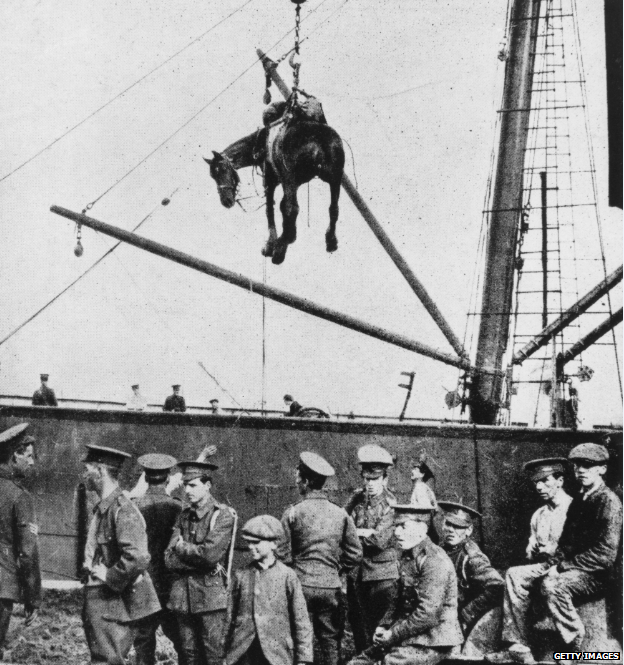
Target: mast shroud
(498,283)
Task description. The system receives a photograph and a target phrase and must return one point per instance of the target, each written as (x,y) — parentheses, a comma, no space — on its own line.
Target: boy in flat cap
(44,396)
(588,547)
(547,522)
(20,577)
(118,590)
(421,626)
(199,556)
(160,513)
(268,622)
(372,584)
(479,585)
(320,542)
(175,402)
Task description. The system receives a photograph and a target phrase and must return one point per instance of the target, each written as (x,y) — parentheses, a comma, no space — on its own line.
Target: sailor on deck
(44,396)
(175,402)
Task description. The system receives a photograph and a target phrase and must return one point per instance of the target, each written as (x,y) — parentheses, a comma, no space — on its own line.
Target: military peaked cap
(11,439)
(317,464)
(262,527)
(44,377)
(103,455)
(157,463)
(457,514)
(590,452)
(372,454)
(192,469)
(175,385)
(407,512)
(538,469)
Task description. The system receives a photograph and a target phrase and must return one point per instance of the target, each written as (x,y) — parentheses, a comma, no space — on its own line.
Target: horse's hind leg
(290,211)
(270,183)
(331,242)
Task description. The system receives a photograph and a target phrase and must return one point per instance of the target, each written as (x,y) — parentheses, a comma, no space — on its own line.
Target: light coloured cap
(11,439)
(406,512)
(374,454)
(157,462)
(538,469)
(457,514)
(590,452)
(262,527)
(317,464)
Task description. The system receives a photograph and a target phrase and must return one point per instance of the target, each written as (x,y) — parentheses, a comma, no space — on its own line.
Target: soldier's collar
(157,489)
(315,494)
(204,510)
(106,503)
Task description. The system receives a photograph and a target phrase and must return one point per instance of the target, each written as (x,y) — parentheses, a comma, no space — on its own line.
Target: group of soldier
(152,561)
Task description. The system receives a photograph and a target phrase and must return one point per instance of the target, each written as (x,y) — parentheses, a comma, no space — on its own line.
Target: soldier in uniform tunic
(160,513)
(421,625)
(480,587)
(44,396)
(118,590)
(198,556)
(320,543)
(371,586)
(175,402)
(20,577)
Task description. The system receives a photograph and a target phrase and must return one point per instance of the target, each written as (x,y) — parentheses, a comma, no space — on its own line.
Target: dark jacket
(380,555)
(175,403)
(268,604)
(320,542)
(160,513)
(121,545)
(591,533)
(20,577)
(199,569)
(44,396)
(480,587)
(424,612)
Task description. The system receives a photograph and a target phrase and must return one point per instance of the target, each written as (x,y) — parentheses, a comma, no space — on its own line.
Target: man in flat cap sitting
(320,542)
(588,547)
(44,396)
(421,625)
(199,556)
(160,513)
(479,586)
(372,584)
(20,577)
(268,622)
(547,477)
(118,590)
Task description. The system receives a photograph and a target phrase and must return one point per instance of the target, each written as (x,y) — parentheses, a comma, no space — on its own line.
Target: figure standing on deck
(20,576)
(422,494)
(320,543)
(175,402)
(371,586)
(44,396)
(136,402)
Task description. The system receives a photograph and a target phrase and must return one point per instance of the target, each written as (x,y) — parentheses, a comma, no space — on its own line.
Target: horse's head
(224,174)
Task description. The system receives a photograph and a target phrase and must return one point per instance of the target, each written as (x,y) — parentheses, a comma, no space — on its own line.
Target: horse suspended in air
(291,149)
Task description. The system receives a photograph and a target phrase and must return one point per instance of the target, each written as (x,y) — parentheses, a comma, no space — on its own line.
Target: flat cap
(590,452)
(406,512)
(263,527)
(11,439)
(317,464)
(104,455)
(157,462)
(192,469)
(374,454)
(457,514)
(213,400)
(538,469)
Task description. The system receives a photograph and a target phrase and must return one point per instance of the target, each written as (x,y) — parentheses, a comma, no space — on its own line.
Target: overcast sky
(412,87)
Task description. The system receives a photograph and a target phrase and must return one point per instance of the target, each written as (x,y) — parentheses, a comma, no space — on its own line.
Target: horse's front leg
(290,211)
(270,183)
(331,242)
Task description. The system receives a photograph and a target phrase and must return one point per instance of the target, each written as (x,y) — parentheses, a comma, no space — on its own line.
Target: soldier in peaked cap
(321,542)
(372,584)
(175,402)
(588,547)
(199,555)
(479,585)
(20,577)
(44,396)
(268,621)
(546,475)
(116,558)
(160,513)
(421,624)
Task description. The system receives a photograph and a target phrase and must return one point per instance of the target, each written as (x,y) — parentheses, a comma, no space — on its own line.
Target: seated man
(480,587)
(421,623)
(546,526)
(588,547)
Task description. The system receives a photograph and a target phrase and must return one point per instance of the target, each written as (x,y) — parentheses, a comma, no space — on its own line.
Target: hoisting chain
(294,58)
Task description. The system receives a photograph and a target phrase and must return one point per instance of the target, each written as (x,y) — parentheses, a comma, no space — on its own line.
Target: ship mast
(505,215)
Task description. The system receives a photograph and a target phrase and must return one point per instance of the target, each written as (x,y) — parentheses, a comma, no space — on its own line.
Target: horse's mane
(241,152)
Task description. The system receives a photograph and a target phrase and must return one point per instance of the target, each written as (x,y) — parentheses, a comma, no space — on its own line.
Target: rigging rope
(123,92)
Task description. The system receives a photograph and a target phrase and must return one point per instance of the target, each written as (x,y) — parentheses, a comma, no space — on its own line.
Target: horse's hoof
(331,244)
(278,259)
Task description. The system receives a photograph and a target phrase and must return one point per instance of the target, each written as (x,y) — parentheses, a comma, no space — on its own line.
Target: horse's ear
(208,161)
(217,155)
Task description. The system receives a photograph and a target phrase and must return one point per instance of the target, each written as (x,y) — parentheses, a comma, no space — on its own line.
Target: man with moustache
(20,577)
